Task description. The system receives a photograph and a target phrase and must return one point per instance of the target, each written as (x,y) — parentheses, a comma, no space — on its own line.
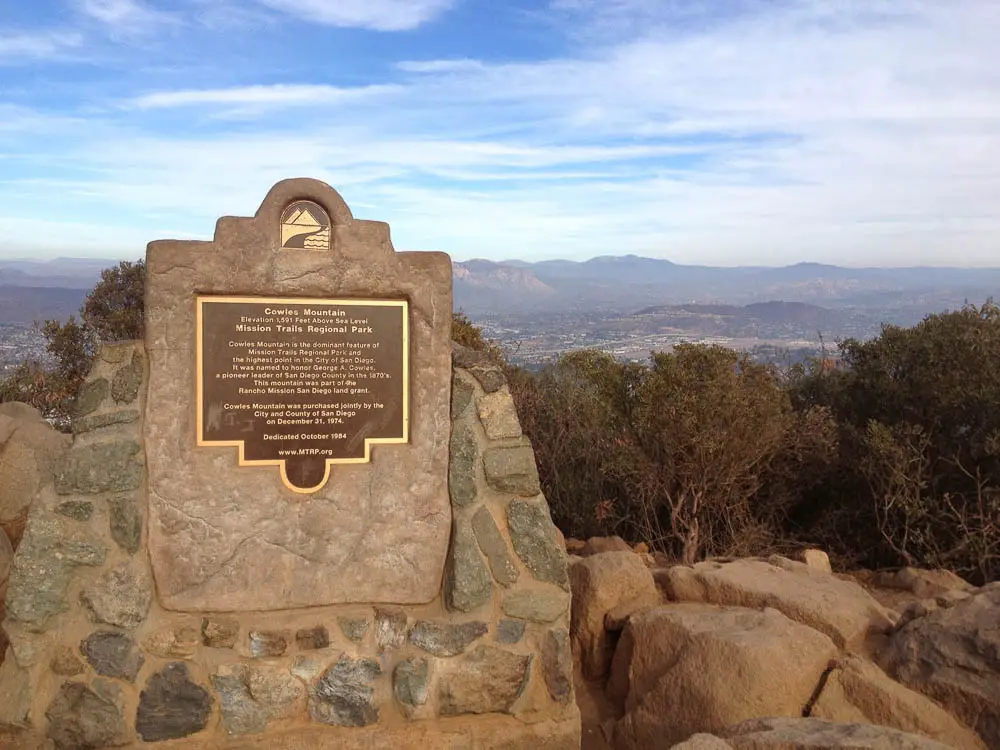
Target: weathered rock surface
(30,448)
(816,559)
(479,365)
(600,584)
(510,631)
(841,609)
(121,596)
(15,694)
(125,523)
(219,632)
(83,717)
(857,691)
(781,733)
(703,742)
(462,469)
(689,668)
(65,663)
(171,705)
(953,656)
(485,680)
(173,643)
(310,639)
(344,695)
(536,541)
(112,654)
(390,628)
(598,544)
(127,380)
(498,415)
(536,605)
(100,467)
(557,665)
(925,584)
(354,628)
(511,468)
(409,682)
(251,696)
(265,643)
(492,543)
(446,639)
(467,582)
(51,549)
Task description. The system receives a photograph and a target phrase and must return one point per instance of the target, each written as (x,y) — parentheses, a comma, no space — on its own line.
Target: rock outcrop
(616,582)
(953,656)
(841,609)
(688,668)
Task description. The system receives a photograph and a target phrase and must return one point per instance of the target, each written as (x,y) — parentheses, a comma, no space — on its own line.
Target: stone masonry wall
(94,661)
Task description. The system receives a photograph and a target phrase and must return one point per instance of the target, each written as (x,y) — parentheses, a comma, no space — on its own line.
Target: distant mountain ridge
(628,283)
(631,282)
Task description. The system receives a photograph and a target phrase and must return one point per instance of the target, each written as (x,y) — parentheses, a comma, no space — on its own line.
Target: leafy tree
(698,452)
(112,311)
(919,414)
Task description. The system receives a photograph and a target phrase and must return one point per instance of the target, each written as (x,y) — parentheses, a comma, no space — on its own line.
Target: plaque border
(200,301)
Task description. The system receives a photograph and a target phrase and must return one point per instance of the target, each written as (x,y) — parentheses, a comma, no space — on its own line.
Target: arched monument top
(304,189)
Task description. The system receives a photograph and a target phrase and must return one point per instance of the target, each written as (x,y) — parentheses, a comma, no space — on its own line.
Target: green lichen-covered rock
(91,396)
(171,705)
(125,384)
(125,522)
(446,639)
(461,397)
(512,469)
(78,510)
(112,654)
(108,419)
(51,549)
(536,542)
(409,682)
(557,665)
(462,467)
(120,597)
(87,716)
(536,606)
(100,467)
(344,695)
(492,543)
(467,583)
(354,628)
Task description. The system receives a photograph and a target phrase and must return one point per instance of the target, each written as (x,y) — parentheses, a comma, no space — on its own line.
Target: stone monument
(295,516)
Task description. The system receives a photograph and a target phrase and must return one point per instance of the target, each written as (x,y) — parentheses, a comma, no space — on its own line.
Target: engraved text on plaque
(302,383)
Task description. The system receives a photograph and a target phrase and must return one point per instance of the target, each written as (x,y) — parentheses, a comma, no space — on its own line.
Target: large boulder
(688,668)
(925,584)
(953,656)
(858,691)
(780,733)
(29,450)
(615,582)
(839,608)
(599,544)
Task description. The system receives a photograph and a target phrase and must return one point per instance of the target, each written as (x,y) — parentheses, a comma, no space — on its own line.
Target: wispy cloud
(713,132)
(378,15)
(275,95)
(124,16)
(38,45)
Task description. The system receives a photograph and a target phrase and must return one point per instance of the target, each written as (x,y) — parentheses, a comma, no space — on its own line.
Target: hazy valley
(627,305)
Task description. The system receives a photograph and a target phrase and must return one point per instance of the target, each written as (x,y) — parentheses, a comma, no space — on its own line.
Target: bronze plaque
(302,383)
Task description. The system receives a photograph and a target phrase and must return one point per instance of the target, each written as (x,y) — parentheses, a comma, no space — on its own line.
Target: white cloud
(797,130)
(124,16)
(276,95)
(40,45)
(378,15)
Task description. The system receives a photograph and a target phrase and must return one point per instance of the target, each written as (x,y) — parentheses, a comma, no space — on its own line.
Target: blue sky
(726,132)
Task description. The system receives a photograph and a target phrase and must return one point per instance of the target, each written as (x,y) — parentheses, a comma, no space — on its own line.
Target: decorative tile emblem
(305,225)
